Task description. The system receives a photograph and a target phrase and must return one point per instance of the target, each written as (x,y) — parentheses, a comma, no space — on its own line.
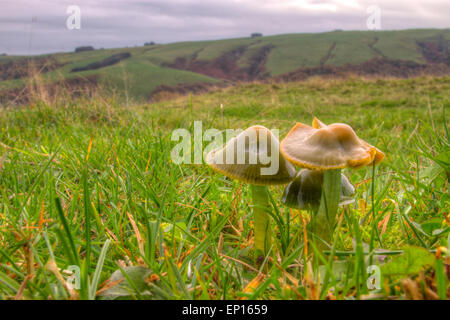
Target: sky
(35,27)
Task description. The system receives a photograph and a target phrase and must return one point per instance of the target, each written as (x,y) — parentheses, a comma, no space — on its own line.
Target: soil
(380,67)
(377,67)
(225,66)
(24,67)
(435,50)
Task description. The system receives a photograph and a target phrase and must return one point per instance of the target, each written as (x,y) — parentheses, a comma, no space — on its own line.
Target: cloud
(29,27)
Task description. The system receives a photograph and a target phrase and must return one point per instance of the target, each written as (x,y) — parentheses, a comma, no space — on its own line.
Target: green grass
(138,78)
(91,183)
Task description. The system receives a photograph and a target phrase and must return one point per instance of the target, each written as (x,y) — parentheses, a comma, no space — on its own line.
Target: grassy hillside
(91,183)
(213,62)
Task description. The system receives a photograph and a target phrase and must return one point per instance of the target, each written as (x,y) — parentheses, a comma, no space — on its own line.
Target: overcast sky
(33,26)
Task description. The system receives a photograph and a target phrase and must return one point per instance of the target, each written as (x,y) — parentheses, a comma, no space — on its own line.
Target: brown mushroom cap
(248,171)
(379,155)
(325,147)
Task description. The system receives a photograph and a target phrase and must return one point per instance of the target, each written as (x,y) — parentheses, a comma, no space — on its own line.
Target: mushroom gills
(305,190)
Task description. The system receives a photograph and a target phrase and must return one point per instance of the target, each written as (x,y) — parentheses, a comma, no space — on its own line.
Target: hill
(143,73)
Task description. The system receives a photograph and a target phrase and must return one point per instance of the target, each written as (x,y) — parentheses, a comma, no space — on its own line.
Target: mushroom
(328,148)
(305,191)
(253,157)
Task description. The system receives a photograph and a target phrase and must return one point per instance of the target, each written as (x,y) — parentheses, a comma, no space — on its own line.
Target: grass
(139,78)
(91,183)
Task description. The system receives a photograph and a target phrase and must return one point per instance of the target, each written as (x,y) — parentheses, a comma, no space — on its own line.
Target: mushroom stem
(324,221)
(261,221)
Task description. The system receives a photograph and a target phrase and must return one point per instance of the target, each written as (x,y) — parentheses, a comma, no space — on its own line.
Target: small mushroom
(305,191)
(248,158)
(328,148)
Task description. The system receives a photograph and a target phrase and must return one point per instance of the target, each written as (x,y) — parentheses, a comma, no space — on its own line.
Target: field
(90,183)
(147,70)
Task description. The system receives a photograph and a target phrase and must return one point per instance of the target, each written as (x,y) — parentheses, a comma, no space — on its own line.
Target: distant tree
(3,54)
(151,43)
(256,34)
(84,48)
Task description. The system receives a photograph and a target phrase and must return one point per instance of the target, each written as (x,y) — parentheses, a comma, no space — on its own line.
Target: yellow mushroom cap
(326,147)
(379,155)
(247,157)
